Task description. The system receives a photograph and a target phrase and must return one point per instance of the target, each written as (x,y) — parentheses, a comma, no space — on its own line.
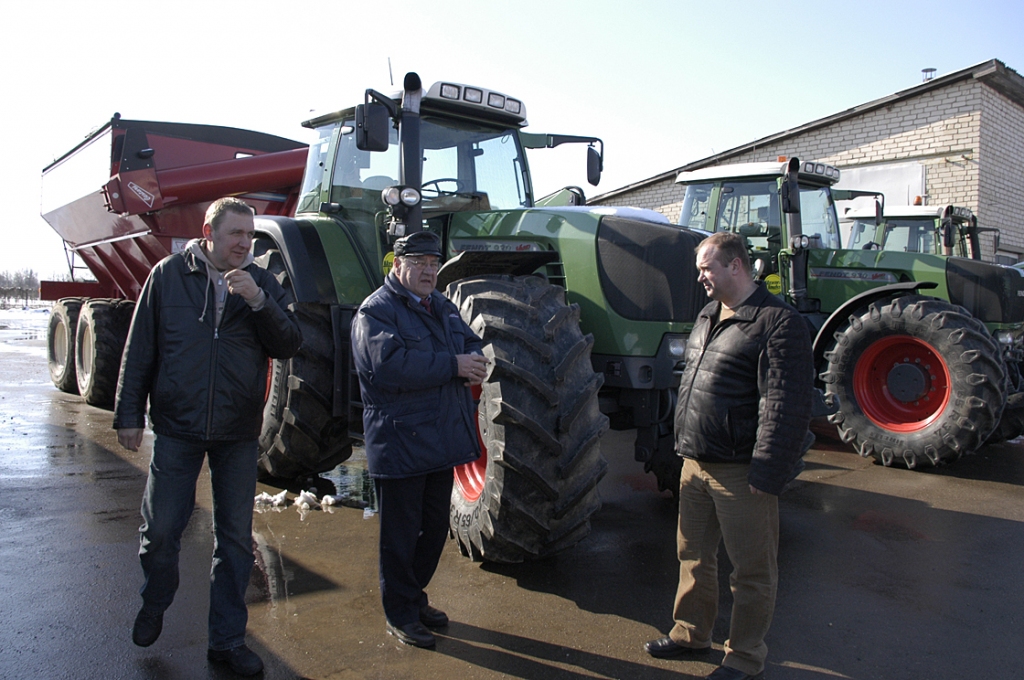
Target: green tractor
(921,349)
(584,311)
(949,230)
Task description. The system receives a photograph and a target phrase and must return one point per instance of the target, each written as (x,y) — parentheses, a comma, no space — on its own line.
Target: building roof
(993,73)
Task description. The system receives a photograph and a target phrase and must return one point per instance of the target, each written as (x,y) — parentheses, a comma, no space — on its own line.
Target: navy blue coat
(418,414)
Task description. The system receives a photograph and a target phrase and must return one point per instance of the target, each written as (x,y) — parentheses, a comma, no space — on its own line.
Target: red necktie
(426,304)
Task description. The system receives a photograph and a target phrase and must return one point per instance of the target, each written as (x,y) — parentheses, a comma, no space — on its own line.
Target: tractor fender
(488,263)
(824,337)
(304,257)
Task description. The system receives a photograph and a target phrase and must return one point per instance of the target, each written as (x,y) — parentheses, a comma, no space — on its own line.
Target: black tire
(300,437)
(1011,424)
(99,343)
(60,343)
(919,380)
(534,489)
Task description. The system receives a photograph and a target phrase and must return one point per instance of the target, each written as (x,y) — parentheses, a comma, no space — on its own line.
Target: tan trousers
(715,503)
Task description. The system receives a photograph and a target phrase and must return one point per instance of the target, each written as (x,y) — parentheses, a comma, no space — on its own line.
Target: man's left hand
(240,282)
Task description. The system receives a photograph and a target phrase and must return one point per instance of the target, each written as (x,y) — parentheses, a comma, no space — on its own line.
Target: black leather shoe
(431,617)
(147,628)
(415,634)
(241,659)
(726,673)
(667,648)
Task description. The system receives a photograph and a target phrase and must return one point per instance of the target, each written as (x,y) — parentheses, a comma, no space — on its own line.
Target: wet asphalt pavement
(884,573)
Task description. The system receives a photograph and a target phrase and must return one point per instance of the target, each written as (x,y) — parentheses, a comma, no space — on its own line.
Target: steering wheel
(437,190)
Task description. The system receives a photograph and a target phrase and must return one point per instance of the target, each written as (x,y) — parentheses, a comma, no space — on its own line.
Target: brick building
(957,139)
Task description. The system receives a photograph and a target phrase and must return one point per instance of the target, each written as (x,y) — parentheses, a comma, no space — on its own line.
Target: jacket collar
(392,284)
(745,311)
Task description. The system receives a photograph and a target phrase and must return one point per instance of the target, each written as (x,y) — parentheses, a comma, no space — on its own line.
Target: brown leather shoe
(667,648)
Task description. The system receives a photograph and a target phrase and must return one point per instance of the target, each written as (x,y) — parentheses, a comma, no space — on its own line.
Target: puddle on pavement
(353,484)
(349,484)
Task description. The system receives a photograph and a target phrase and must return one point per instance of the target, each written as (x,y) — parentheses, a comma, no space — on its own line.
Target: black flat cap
(420,243)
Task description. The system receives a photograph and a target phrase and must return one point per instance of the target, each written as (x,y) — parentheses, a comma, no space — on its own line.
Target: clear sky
(662,82)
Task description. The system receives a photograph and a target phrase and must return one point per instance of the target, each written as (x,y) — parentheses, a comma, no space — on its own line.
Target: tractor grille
(648,271)
(990,292)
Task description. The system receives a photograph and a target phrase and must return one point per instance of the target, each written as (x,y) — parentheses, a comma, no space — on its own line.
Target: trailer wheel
(99,343)
(60,343)
(300,436)
(534,488)
(919,381)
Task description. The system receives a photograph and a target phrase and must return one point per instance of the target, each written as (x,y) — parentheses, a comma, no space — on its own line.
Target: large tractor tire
(99,343)
(60,343)
(1011,424)
(300,436)
(533,489)
(919,380)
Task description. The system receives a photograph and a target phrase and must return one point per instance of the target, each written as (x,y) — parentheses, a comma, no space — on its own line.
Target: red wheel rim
(901,383)
(470,478)
(270,380)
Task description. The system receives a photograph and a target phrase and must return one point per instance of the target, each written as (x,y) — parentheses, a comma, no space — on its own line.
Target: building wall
(950,131)
(1001,162)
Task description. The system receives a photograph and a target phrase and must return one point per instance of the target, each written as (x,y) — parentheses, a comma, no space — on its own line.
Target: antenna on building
(929,73)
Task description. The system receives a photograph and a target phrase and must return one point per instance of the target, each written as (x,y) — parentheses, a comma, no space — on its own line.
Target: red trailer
(129,195)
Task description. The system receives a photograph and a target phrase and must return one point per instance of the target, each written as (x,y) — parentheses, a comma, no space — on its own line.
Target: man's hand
(473,367)
(130,438)
(240,282)
(756,491)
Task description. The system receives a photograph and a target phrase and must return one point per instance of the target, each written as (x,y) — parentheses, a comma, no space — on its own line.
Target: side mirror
(594,166)
(948,238)
(372,123)
(790,192)
(878,213)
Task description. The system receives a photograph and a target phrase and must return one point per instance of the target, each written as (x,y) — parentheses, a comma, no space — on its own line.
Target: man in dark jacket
(204,325)
(741,420)
(416,359)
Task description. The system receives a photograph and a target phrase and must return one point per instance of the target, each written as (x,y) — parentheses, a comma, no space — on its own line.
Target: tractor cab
(746,198)
(938,230)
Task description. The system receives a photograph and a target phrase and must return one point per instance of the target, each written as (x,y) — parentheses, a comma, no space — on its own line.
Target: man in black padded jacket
(741,420)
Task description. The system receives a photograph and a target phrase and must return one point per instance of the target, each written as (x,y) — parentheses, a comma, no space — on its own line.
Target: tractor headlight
(677,347)
(801,242)
(1005,337)
(394,196)
(409,196)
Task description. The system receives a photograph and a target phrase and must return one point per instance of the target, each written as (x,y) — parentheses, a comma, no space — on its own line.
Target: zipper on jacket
(213,373)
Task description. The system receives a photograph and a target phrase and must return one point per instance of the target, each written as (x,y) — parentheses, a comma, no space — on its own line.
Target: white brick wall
(1001,178)
(969,138)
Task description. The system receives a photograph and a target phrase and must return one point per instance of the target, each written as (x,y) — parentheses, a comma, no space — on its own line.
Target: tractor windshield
(910,236)
(694,213)
(466,166)
(862,235)
(752,209)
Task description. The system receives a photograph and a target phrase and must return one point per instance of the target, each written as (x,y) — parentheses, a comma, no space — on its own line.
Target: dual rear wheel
(85,340)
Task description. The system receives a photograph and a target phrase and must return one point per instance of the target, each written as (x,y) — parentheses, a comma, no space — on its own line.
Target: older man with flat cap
(416,359)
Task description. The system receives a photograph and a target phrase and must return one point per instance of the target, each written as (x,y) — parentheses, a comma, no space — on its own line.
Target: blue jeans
(167,505)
